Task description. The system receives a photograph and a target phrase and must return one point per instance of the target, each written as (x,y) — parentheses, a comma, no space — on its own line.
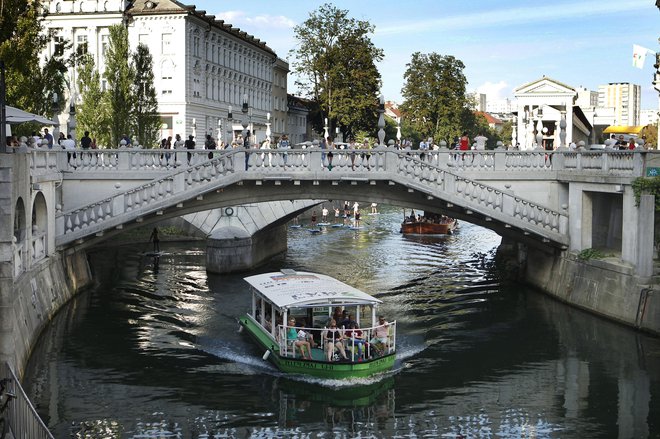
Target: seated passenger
(294,341)
(381,336)
(332,339)
(356,338)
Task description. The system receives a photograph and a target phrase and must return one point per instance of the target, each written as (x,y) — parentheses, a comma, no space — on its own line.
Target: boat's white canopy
(289,288)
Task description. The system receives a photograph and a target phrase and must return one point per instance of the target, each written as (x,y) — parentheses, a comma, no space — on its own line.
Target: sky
(502,43)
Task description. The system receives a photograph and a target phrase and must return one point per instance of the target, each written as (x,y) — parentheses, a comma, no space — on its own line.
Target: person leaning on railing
(380,336)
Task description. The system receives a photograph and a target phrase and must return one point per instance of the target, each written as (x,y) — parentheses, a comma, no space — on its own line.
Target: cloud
(241,19)
(494,91)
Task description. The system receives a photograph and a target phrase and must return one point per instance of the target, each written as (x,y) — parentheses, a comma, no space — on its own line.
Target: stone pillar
(233,249)
(569,121)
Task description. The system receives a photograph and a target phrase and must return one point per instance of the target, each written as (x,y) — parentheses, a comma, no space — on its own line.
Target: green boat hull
(316,368)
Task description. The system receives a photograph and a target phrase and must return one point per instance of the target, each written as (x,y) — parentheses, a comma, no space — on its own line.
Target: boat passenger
(294,340)
(333,339)
(356,338)
(380,336)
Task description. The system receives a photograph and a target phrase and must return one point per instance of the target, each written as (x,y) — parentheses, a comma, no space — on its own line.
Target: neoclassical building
(204,68)
(542,104)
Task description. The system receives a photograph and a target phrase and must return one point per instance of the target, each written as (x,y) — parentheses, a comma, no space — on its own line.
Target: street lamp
(244,110)
(381,121)
(230,122)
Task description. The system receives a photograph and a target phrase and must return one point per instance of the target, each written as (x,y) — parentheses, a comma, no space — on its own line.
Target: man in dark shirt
(189,144)
(86,141)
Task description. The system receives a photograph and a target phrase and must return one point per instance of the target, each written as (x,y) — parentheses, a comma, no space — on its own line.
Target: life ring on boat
(229,211)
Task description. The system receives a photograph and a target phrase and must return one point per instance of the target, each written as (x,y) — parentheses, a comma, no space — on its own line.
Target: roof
(623,129)
(489,118)
(542,79)
(160,7)
(288,288)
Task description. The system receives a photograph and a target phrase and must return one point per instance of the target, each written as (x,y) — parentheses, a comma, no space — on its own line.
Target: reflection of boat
(309,300)
(429,224)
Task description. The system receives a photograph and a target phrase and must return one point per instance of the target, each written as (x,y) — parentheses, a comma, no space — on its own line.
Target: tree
(335,61)
(145,120)
(29,84)
(91,114)
(435,103)
(119,76)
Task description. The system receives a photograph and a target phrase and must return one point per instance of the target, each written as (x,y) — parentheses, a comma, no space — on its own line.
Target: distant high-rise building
(500,106)
(648,117)
(625,98)
(479,101)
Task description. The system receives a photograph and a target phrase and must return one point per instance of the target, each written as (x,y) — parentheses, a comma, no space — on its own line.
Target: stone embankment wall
(28,306)
(605,287)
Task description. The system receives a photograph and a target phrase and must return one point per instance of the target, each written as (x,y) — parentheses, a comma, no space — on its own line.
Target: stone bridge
(547,206)
(520,194)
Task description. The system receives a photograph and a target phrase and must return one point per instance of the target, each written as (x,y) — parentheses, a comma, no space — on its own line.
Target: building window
(105,42)
(81,45)
(196,46)
(166,44)
(58,49)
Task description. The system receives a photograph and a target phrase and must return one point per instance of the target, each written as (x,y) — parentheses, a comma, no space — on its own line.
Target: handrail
(16,409)
(368,335)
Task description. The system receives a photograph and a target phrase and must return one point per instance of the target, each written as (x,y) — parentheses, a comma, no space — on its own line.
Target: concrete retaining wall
(606,287)
(34,299)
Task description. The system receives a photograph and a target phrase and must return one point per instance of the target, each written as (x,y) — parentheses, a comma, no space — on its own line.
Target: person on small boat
(294,341)
(313,218)
(355,338)
(380,336)
(333,339)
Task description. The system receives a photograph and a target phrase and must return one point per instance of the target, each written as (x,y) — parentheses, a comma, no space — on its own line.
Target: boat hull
(426,228)
(317,368)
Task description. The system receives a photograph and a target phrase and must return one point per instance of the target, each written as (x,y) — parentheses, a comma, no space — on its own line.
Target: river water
(153,350)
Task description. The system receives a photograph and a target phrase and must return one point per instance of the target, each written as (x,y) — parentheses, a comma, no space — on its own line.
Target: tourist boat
(311,300)
(431,224)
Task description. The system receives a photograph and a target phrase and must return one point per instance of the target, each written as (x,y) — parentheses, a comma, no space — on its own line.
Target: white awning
(296,288)
(16,116)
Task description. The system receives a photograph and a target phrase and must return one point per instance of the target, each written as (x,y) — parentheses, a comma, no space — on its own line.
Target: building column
(569,121)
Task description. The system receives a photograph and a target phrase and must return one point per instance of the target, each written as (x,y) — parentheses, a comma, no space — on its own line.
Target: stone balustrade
(106,161)
(420,171)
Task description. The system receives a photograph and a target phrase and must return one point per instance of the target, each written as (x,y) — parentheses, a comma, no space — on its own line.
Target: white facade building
(501,106)
(202,66)
(625,98)
(480,101)
(586,98)
(542,105)
(648,117)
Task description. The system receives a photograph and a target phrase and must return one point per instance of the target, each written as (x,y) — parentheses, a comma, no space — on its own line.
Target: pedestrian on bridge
(190,144)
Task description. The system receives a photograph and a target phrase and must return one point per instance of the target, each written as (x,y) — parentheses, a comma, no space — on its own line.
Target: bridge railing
(413,169)
(102,161)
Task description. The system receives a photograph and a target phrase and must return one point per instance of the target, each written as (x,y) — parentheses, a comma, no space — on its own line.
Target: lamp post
(72,124)
(194,128)
(230,122)
(381,121)
(3,110)
(219,132)
(244,110)
(54,105)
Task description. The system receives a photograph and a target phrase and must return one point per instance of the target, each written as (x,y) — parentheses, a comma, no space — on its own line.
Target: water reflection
(156,353)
